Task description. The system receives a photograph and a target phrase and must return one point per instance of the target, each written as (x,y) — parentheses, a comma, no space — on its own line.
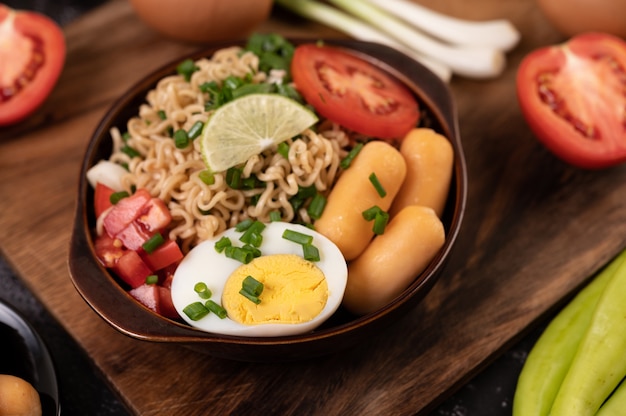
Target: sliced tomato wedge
(32,55)
(353,92)
(573,97)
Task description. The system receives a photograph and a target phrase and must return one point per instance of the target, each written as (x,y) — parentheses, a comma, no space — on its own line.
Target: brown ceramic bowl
(101,290)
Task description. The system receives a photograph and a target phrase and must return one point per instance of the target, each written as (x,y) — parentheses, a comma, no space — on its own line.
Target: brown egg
(201,21)
(572,17)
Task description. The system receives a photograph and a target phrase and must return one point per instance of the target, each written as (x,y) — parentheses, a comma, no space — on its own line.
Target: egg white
(204,264)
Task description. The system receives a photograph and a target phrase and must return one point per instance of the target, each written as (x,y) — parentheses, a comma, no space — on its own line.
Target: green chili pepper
(551,356)
(600,362)
(616,404)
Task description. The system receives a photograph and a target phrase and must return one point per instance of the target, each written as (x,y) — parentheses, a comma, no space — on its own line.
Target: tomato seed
(37,59)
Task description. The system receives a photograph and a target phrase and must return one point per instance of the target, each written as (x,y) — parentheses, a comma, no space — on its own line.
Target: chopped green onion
(377,185)
(252,235)
(152,279)
(129,151)
(310,252)
(275,216)
(215,308)
(162,114)
(202,290)
(347,161)
(304,193)
(252,249)
(209,87)
(252,182)
(297,237)
(153,243)
(253,238)
(117,196)
(181,139)
(244,225)
(196,311)
(233,177)
(370,213)
(283,149)
(222,244)
(250,296)
(240,254)
(316,208)
(273,50)
(252,286)
(195,130)
(207,177)
(186,68)
(380,222)
(126,136)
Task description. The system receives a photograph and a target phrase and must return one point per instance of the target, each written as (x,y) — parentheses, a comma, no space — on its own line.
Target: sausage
(393,259)
(429,160)
(342,220)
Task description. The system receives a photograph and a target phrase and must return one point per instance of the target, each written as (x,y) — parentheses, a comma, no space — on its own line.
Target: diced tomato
(155,298)
(163,256)
(156,215)
(167,275)
(132,269)
(126,211)
(147,295)
(102,198)
(108,250)
(133,236)
(166,306)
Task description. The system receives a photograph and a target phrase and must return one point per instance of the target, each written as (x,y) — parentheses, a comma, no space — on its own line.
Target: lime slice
(249,125)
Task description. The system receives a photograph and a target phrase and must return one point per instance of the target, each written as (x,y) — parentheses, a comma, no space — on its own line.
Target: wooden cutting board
(534,231)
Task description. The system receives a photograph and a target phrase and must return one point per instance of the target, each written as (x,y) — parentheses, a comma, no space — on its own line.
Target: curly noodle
(199,210)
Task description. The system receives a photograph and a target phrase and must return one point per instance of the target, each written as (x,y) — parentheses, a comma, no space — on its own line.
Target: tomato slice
(32,55)
(353,92)
(573,97)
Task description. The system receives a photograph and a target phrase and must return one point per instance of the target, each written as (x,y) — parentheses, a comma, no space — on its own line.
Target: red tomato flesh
(32,55)
(353,92)
(156,298)
(132,269)
(164,255)
(573,97)
(102,198)
(125,212)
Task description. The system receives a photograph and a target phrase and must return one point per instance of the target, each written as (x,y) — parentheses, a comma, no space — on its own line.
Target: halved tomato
(32,55)
(573,97)
(353,92)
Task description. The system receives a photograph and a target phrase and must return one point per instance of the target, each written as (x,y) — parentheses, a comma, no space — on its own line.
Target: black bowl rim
(148,326)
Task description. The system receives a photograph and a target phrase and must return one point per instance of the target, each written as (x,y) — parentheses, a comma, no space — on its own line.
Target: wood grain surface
(535,230)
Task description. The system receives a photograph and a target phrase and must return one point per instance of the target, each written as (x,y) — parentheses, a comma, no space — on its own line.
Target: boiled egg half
(297,295)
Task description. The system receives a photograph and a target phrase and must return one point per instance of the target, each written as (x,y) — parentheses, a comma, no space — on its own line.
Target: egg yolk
(294,291)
